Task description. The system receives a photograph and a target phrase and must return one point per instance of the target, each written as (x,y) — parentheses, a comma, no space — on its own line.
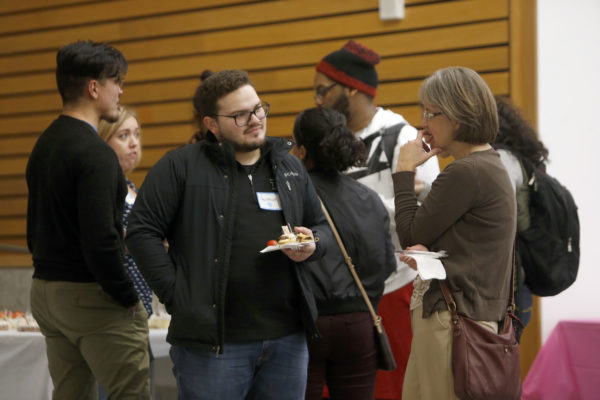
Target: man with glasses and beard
(346,80)
(239,317)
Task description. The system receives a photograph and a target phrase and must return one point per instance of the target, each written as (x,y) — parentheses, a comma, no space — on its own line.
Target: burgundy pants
(345,358)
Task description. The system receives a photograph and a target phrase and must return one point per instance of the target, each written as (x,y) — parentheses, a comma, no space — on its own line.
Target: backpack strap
(522,197)
(387,144)
(389,138)
(522,193)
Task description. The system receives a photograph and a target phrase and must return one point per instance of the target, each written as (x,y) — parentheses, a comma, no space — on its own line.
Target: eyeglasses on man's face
(322,91)
(243,118)
(427,115)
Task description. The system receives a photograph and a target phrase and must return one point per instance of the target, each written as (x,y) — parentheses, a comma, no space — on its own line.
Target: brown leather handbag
(486,365)
(385,357)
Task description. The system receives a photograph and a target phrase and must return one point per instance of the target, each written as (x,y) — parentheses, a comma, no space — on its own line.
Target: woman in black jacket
(346,356)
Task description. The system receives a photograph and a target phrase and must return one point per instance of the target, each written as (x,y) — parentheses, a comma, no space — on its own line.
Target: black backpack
(387,144)
(548,250)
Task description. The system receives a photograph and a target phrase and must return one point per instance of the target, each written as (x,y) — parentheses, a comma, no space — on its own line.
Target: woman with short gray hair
(469,213)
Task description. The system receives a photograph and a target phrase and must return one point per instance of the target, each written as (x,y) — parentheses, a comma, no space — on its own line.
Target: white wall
(569,125)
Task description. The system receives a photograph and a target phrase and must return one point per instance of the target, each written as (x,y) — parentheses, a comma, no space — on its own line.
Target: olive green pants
(90,337)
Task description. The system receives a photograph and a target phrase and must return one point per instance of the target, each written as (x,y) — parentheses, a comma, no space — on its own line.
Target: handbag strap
(452,304)
(376,318)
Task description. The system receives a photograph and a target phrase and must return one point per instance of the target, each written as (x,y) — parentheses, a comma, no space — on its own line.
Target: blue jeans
(261,370)
(524,306)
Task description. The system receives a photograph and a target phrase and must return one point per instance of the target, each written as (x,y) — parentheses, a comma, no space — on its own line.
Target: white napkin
(429,267)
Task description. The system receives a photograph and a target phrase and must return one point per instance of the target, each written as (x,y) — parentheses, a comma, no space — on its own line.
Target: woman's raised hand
(414,153)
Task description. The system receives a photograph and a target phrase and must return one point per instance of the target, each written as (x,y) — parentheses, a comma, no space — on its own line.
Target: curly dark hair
(517,135)
(329,144)
(196,99)
(201,132)
(216,86)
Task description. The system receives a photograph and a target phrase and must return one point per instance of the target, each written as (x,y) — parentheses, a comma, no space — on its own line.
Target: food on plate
(287,238)
(290,237)
(303,238)
(18,320)
(10,319)
(27,324)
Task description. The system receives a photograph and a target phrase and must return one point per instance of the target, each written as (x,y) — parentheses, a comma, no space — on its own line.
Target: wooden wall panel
(13,206)
(392,44)
(260,13)
(278,42)
(16,145)
(12,260)
(168,45)
(13,186)
(31,6)
(391,68)
(13,226)
(85,12)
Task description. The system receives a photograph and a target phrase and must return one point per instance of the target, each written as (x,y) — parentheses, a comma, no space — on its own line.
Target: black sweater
(363,224)
(74,215)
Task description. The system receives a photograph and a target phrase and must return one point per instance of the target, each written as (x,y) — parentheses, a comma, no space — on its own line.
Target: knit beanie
(353,66)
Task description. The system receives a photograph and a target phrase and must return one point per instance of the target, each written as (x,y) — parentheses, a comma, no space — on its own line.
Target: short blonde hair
(107,130)
(464,97)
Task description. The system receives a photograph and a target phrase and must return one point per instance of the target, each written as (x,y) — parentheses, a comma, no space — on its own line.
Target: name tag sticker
(130,199)
(268,201)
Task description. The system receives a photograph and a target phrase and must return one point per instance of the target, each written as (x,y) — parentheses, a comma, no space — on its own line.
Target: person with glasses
(470,213)
(240,318)
(346,80)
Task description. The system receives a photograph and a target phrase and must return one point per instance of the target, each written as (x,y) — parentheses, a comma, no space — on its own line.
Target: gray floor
(164,383)
(165,393)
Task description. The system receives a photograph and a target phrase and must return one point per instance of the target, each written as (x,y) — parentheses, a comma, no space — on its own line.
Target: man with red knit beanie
(346,80)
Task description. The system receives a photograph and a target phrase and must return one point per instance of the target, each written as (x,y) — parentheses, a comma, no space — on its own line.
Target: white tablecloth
(158,343)
(24,366)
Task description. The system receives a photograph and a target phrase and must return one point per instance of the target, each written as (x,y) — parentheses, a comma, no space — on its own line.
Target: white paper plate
(269,249)
(439,254)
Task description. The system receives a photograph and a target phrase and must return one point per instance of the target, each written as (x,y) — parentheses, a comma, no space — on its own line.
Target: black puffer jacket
(364,226)
(189,198)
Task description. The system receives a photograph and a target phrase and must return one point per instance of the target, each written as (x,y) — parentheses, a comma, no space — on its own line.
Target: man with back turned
(81,296)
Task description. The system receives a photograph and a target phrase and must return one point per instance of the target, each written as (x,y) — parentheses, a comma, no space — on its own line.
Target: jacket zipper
(230,176)
(252,184)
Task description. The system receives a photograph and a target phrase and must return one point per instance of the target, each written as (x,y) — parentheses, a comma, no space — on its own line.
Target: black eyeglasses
(322,91)
(243,118)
